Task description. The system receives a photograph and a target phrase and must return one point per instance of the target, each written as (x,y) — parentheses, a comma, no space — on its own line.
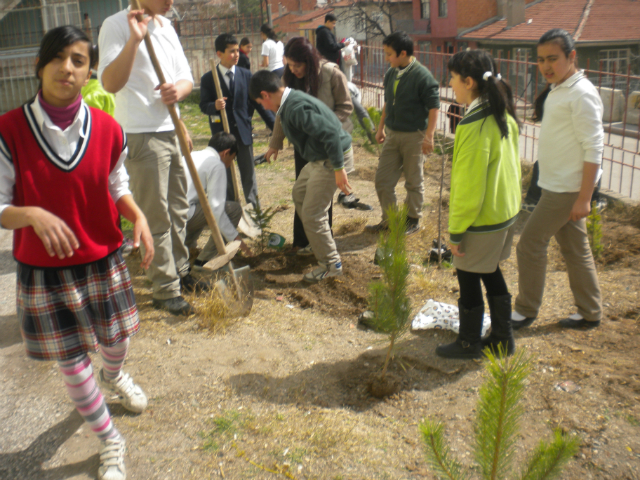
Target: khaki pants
(159,185)
(196,224)
(312,195)
(401,153)
(551,219)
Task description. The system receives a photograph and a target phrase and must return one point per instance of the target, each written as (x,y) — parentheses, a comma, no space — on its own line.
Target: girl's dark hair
(56,40)
(474,64)
(300,50)
(269,32)
(566,43)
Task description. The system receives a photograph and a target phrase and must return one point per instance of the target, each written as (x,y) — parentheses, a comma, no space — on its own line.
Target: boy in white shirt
(157,176)
(211,164)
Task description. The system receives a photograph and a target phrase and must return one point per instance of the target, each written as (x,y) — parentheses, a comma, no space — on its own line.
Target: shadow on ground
(10,331)
(345,383)
(27,464)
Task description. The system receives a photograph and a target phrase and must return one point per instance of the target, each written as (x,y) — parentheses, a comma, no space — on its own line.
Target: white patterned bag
(436,315)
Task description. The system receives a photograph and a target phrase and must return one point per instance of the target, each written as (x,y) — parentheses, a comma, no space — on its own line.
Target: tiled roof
(347,3)
(605,20)
(612,20)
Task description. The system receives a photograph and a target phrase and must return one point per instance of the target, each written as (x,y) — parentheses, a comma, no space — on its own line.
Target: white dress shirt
(64,144)
(223,72)
(571,133)
(213,175)
(139,107)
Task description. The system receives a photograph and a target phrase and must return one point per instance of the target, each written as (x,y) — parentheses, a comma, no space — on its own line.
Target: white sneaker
(324,271)
(305,252)
(112,453)
(127,393)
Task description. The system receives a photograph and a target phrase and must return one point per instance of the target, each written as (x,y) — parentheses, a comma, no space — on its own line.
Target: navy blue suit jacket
(238,110)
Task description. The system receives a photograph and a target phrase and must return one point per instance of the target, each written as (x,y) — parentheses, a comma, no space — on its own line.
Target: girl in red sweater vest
(63,188)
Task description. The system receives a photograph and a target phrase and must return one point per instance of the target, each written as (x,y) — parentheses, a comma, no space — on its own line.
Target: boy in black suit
(245,49)
(235,90)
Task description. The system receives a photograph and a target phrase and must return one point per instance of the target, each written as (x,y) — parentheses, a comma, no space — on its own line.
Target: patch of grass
(296,455)
(425,283)
(226,427)
(126,225)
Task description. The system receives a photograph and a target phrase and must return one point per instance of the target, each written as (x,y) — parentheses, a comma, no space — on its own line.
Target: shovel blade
(247,225)
(239,303)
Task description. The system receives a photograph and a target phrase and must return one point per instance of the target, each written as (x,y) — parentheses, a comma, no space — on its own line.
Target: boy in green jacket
(407,125)
(317,134)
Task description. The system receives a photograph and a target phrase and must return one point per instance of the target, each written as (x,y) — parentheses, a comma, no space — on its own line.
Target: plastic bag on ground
(436,315)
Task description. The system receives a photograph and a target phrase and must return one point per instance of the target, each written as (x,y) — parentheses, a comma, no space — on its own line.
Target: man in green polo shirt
(407,125)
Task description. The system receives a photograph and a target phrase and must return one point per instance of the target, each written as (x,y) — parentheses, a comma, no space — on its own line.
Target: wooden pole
(227,129)
(224,254)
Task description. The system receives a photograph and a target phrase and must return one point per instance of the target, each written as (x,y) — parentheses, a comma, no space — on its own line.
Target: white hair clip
(486,76)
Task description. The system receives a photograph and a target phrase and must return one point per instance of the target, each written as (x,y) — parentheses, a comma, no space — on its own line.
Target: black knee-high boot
(501,331)
(469,342)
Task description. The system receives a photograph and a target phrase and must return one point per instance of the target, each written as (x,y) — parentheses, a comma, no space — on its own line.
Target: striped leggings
(84,392)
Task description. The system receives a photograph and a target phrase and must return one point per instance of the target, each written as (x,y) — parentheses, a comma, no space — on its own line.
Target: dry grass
(212,311)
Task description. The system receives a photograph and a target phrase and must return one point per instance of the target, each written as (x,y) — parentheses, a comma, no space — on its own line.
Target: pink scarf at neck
(62,117)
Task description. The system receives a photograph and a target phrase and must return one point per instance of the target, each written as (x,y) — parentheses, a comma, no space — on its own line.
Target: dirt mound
(281,274)
(621,244)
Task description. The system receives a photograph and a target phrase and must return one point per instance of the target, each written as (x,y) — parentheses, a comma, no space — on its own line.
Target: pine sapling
(388,298)
(497,427)
(262,219)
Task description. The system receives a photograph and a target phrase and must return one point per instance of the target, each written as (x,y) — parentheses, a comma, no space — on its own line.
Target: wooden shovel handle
(202,196)
(227,129)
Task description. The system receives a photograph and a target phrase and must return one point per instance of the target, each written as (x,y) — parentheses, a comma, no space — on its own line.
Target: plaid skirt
(67,312)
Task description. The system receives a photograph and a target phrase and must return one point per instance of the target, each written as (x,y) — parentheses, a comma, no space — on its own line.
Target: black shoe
(380,227)
(501,329)
(413,226)
(468,345)
(518,324)
(190,284)
(580,324)
(175,305)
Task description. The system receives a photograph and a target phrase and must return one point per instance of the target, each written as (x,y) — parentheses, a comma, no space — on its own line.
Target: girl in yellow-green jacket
(484,201)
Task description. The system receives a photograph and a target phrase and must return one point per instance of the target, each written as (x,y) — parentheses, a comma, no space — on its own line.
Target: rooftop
(586,20)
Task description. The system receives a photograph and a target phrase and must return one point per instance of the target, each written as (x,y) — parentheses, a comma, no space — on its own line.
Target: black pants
(299,237)
(535,192)
(471,290)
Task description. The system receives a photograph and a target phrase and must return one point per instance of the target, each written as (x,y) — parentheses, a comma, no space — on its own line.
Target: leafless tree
(373,17)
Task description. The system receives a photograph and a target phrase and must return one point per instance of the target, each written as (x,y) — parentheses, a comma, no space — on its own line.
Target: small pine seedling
(262,219)
(388,298)
(497,427)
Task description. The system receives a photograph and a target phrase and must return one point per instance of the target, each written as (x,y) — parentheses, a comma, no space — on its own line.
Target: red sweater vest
(76,190)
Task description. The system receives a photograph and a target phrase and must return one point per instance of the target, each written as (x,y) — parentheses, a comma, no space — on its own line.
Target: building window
(425,9)
(615,58)
(442,8)
(424,47)
(462,46)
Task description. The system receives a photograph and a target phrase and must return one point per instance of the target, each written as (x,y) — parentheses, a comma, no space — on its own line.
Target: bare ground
(282,393)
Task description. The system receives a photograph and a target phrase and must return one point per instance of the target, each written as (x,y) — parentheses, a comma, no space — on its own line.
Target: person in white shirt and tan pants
(569,156)
(157,176)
